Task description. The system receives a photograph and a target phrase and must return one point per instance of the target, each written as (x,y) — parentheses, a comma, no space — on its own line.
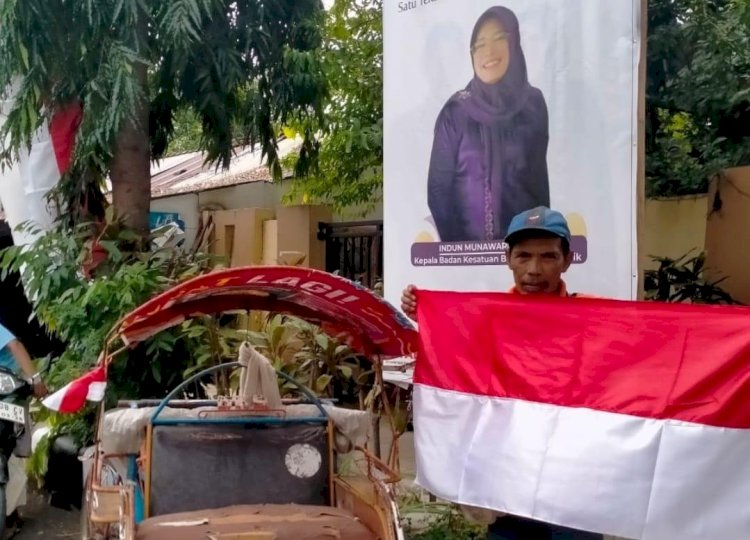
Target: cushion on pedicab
(280,522)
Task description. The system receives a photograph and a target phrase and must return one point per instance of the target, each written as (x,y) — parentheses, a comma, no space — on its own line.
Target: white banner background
(583,55)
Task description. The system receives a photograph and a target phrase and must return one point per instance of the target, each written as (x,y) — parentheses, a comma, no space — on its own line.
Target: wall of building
(673,227)
(251,195)
(717,223)
(728,232)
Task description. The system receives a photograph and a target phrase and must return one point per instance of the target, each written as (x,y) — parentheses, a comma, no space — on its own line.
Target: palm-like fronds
(244,66)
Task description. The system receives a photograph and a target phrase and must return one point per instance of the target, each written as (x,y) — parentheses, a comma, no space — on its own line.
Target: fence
(354,250)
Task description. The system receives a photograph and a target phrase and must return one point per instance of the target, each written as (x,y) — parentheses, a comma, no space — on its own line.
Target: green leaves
(183,19)
(322,382)
(684,280)
(242,67)
(348,165)
(81,311)
(236,78)
(304,352)
(698,104)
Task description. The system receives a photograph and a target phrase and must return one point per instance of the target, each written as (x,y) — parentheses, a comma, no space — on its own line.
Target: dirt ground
(42,522)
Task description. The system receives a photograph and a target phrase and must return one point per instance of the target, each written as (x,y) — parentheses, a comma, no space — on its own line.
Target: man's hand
(21,355)
(40,389)
(409,302)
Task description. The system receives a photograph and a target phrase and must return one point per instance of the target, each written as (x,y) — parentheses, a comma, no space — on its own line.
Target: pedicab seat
(257,522)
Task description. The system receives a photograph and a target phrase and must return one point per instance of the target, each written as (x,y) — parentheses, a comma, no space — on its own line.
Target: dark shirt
(517,528)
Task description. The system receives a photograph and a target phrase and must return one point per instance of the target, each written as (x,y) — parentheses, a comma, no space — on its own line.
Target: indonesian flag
(48,159)
(73,396)
(24,187)
(623,418)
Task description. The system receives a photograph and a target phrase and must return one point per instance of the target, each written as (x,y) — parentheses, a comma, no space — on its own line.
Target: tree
(244,67)
(186,135)
(698,93)
(349,167)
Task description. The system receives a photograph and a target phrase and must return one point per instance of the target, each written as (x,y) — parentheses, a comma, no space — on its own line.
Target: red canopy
(338,305)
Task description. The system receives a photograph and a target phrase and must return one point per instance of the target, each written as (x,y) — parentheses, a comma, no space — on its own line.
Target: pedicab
(245,467)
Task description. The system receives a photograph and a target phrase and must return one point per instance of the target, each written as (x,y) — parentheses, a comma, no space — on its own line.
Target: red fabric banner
(646,359)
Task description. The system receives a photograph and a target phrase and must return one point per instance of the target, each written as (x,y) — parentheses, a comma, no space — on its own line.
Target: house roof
(187,173)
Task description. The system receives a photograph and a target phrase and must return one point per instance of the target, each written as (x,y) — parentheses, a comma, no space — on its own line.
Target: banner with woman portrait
(496,107)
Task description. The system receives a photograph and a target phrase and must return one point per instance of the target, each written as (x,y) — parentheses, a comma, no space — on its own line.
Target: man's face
(538,265)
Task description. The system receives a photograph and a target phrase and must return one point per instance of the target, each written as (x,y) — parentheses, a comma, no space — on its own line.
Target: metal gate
(354,250)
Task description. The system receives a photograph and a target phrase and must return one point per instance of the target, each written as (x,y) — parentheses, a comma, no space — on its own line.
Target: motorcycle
(15,426)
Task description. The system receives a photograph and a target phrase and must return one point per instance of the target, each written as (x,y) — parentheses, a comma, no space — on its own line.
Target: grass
(436,520)
(450,525)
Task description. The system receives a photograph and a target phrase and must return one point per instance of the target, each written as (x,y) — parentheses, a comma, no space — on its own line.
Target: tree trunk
(131,178)
(130,170)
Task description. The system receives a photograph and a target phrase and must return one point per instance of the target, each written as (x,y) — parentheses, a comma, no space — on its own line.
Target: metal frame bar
(240,421)
(253,420)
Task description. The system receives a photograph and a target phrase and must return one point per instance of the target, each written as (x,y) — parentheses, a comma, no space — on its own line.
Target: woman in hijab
(489,155)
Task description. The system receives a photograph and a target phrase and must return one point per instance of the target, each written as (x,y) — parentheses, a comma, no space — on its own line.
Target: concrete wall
(252,195)
(297,232)
(259,194)
(189,206)
(673,227)
(728,232)
(238,235)
(361,214)
(717,223)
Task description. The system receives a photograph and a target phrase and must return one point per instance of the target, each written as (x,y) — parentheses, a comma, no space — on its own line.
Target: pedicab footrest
(106,504)
(109,505)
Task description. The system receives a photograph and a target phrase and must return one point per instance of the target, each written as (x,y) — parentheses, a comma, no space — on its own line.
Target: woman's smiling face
(491,52)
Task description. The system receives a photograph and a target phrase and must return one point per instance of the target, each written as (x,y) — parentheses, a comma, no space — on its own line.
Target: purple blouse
(469,201)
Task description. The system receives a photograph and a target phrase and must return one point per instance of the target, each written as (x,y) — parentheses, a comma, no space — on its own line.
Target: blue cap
(540,218)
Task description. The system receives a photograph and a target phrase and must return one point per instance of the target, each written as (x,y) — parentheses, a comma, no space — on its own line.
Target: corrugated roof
(189,174)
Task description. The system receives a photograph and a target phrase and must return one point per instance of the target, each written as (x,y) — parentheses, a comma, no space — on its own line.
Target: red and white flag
(47,160)
(624,418)
(24,188)
(72,397)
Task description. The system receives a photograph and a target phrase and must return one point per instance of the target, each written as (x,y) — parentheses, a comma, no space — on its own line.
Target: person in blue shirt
(14,357)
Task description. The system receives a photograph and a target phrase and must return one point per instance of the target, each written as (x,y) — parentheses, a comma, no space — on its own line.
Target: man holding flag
(538,255)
